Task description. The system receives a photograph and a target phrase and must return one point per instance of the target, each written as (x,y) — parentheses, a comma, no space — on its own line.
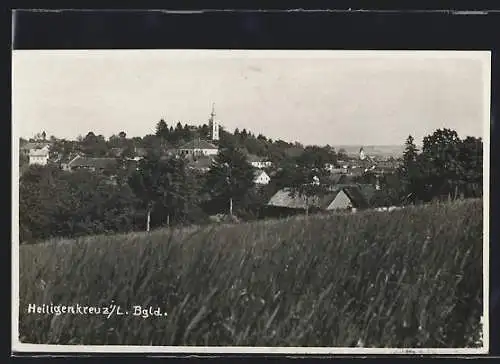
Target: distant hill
(373,150)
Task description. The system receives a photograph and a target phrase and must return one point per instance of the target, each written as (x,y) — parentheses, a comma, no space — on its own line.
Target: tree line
(163,191)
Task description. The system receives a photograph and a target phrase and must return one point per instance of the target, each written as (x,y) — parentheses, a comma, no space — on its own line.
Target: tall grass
(406,278)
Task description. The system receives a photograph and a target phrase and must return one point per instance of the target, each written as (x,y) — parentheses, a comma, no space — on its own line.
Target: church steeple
(362,154)
(214,125)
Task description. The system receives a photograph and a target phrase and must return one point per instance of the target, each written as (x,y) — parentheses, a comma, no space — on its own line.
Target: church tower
(362,154)
(213,125)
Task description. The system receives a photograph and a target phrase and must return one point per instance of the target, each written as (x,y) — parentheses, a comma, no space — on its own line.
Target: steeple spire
(212,115)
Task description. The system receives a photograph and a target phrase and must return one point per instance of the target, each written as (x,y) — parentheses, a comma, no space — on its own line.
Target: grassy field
(406,278)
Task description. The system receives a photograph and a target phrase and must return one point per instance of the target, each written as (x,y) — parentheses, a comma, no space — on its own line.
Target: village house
(259,162)
(39,155)
(91,164)
(261,177)
(347,198)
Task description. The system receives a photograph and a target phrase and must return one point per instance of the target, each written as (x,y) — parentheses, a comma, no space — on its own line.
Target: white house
(261,178)
(198,147)
(39,156)
(258,162)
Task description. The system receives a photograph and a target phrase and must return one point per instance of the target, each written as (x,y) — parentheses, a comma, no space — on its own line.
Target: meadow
(405,278)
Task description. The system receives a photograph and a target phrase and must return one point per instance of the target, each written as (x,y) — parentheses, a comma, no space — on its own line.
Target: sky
(313,97)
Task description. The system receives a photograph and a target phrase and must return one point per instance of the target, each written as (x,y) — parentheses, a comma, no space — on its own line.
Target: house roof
(255,158)
(34,145)
(259,172)
(39,152)
(283,198)
(98,163)
(356,196)
(198,144)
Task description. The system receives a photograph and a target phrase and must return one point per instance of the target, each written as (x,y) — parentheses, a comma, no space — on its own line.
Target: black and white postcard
(250,201)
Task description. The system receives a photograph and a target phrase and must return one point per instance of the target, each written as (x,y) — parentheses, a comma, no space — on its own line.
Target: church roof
(198,144)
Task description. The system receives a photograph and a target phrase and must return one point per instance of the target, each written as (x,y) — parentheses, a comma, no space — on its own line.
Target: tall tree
(441,164)
(410,171)
(161,129)
(94,145)
(470,157)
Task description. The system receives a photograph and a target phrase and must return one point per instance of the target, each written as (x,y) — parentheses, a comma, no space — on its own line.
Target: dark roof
(255,158)
(283,198)
(34,145)
(356,195)
(198,144)
(98,163)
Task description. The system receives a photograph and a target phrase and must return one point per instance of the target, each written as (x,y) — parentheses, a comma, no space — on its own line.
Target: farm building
(338,198)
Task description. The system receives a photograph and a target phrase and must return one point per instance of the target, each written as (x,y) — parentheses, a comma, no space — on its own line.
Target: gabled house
(39,155)
(340,198)
(261,177)
(198,147)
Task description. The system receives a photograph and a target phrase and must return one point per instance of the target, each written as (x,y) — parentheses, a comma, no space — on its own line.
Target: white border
(484,56)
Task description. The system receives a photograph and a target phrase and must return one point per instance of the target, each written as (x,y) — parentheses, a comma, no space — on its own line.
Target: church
(201,147)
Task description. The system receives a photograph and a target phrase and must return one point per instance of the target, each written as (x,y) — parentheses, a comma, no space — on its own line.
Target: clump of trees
(447,167)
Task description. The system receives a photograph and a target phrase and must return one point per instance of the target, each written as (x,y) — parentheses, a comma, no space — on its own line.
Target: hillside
(407,278)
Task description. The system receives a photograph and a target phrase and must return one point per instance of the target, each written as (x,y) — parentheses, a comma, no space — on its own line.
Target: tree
(161,129)
(94,145)
(410,171)
(470,156)
(230,179)
(389,193)
(440,163)
(166,187)
(342,154)
(57,203)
